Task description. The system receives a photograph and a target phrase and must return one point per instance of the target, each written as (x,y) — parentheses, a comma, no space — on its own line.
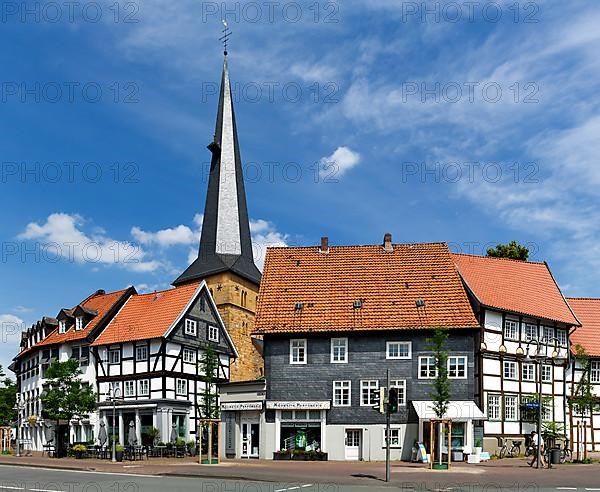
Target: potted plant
(119,450)
(154,436)
(282,455)
(79,450)
(478,447)
(299,455)
(321,456)
(32,420)
(191,445)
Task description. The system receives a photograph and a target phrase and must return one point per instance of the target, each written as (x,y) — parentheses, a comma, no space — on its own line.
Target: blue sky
(434,121)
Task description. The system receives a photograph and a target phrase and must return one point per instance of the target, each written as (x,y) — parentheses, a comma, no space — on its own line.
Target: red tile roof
(588,334)
(389,283)
(147,316)
(102,303)
(98,302)
(523,287)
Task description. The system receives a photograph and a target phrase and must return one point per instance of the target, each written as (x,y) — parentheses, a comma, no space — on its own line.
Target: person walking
(536,441)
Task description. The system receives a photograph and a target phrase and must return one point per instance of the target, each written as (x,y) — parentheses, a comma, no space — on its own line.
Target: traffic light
(393,400)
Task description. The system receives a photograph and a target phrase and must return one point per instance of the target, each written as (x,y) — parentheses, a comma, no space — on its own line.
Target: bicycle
(509,452)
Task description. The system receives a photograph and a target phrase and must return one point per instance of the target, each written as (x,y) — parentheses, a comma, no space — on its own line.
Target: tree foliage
(441,386)
(512,250)
(209,365)
(65,396)
(8,398)
(583,399)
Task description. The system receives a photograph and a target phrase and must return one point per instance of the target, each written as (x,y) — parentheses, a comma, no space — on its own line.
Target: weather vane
(226,33)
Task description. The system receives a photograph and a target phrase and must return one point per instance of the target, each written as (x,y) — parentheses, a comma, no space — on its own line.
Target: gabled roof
(154,315)
(521,287)
(588,334)
(100,302)
(389,284)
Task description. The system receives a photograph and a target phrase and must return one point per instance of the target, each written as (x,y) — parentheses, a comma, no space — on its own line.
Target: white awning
(457,410)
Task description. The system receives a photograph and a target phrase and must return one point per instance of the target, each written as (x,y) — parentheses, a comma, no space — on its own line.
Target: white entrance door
(353,444)
(250,439)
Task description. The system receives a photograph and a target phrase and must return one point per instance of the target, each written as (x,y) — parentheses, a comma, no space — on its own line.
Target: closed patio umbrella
(174,435)
(49,433)
(131,437)
(102,436)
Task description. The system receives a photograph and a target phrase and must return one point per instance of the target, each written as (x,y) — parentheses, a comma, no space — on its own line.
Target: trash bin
(555,456)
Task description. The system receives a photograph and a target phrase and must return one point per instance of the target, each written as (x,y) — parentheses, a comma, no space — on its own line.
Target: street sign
(532,404)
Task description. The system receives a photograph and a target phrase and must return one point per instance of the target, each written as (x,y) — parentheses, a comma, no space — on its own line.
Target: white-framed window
(189,355)
(143,387)
(182,387)
(530,332)
(339,350)
(141,353)
(341,393)
(510,407)
(62,326)
(129,389)
(369,390)
(114,356)
(400,385)
(547,407)
(511,329)
(528,372)
(213,333)
(427,367)
(79,323)
(457,367)
(191,327)
(547,334)
(562,337)
(493,407)
(298,351)
(546,373)
(510,370)
(398,350)
(595,372)
(395,437)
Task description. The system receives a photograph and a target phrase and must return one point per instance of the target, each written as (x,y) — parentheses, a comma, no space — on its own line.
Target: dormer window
(79,323)
(62,326)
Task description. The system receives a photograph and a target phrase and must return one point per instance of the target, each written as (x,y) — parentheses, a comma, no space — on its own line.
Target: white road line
(45,490)
(592,489)
(307,485)
(566,488)
(280,490)
(6,487)
(293,488)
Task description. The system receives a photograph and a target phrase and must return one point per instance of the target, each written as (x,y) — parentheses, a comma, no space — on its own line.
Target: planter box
(282,456)
(440,466)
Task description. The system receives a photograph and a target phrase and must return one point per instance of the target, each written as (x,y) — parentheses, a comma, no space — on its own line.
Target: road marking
(45,490)
(295,487)
(6,487)
(592,489)
(566,488)
(307,485)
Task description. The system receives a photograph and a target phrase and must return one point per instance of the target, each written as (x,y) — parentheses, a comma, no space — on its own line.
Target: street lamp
(19,407)
(114,394)
(538,359)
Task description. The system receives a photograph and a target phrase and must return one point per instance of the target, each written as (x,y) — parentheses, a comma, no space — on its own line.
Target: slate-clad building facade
(334,319)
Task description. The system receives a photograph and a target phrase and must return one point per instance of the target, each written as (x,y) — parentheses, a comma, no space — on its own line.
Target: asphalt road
(17,479)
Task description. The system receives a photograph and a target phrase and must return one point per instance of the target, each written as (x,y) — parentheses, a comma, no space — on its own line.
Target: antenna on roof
(225,38)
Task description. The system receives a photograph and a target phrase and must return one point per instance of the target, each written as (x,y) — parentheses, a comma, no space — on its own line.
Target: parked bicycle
(509,451)
(566,453)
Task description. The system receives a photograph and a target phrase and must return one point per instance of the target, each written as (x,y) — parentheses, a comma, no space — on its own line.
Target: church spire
(225,243)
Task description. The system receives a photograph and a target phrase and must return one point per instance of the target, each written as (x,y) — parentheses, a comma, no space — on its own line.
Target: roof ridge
(378,245)
(583,298)
(98,294)
(169,290)
(498,258)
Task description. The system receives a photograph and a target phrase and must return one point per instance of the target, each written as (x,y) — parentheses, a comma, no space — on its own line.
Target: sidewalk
(505,472)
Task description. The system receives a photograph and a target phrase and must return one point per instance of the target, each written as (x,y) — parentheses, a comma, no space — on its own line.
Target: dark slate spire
(225,244)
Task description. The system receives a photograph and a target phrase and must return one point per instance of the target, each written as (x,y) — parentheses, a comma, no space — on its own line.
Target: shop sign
(249,405)
(298,405)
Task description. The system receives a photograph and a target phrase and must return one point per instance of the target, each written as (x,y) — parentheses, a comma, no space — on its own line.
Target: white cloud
(338,163)
(265,235)
(10,329)
(166,237)
(62,237)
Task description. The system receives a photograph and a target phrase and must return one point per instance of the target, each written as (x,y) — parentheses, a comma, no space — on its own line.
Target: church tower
(225,258)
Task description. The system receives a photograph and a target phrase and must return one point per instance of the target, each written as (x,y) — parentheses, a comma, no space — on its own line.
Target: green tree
(8,398)
(512,250)
(65,396)
(441,386)
(583,399)
(209,364)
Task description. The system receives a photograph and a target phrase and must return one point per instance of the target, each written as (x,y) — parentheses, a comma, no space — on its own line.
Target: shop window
(301,429)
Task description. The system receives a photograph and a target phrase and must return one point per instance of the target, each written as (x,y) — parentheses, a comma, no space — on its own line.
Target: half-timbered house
(151,357)
(522,312)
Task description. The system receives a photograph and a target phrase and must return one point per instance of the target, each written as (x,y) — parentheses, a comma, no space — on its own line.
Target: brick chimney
(324,245)
(387,243)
